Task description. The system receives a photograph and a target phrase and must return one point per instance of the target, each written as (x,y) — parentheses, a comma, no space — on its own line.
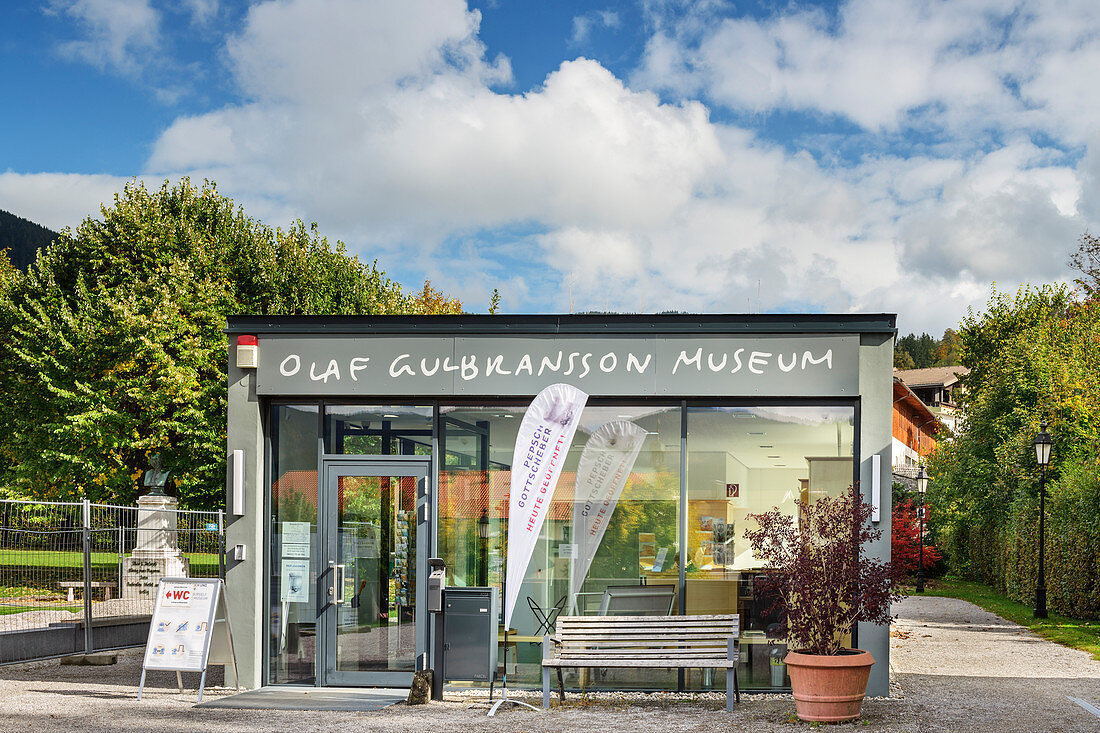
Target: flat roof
(588,323)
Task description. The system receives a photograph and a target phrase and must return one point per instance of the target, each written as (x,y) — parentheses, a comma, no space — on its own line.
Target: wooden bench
(687,642)
(72,585)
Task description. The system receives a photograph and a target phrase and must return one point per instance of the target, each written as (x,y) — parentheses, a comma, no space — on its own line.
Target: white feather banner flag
(542,445)
(605,465)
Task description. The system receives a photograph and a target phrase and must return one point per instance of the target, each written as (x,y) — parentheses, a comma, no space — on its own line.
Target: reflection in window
(747,460)
(639,531)
(293,627)
(378,430)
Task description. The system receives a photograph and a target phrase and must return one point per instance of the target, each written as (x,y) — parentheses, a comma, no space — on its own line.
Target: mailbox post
(436,579)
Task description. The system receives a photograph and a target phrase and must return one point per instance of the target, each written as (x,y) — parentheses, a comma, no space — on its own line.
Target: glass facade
(668,537)
(747,460)
(292,634)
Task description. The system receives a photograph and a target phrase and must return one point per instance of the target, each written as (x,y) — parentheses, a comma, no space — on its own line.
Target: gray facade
(831,359)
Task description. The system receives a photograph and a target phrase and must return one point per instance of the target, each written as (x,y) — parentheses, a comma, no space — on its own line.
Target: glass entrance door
(375,526)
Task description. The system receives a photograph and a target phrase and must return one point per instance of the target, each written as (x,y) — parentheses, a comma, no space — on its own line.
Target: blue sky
(869,155)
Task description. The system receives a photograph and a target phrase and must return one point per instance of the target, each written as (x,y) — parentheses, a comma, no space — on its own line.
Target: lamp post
(1043,444)
(483,541)
(922,488)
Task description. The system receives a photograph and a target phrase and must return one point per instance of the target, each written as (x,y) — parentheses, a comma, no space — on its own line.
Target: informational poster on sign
(189,629)
(180,630)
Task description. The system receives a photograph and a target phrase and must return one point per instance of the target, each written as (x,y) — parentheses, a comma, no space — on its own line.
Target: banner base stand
(504,691)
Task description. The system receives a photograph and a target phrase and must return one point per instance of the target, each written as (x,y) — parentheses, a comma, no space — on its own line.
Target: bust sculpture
(156,478)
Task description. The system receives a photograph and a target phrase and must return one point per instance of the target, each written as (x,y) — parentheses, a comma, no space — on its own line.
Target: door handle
(338,580)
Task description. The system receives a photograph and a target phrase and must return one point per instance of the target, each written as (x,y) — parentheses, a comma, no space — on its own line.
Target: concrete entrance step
(282,697)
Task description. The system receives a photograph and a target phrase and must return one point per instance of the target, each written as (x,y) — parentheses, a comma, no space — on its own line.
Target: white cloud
(335,52)
(118,34)
(444,153)
(57,200)
(584,24)
(385,123)
(201,11)
(963,66)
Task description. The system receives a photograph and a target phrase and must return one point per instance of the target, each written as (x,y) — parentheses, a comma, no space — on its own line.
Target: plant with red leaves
(905,540)
(817,573)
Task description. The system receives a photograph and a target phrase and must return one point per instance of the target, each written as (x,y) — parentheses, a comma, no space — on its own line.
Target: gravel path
(965,668)
(956,668)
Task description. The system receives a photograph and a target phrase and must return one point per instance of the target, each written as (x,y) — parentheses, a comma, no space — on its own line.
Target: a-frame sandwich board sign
(189,630)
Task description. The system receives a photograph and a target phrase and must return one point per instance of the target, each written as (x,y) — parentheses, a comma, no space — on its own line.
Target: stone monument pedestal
(157,553)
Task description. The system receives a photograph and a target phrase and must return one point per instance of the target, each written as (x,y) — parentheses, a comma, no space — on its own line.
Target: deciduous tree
(112,346)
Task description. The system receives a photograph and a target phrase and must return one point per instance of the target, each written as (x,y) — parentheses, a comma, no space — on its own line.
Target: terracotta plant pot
(829,689)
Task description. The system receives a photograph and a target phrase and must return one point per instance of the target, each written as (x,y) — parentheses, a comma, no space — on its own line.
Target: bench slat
(678,619)
(603,620)
(649,630)
(639,635)
(718,641)
(650,651)
(644,653)
(656,624)
(667,663)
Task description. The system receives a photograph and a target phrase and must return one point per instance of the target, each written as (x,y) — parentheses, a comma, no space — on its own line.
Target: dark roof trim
(863,323)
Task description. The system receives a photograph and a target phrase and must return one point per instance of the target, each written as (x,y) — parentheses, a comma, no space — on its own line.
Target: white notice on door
(295,581)
(295,550)
(296,533)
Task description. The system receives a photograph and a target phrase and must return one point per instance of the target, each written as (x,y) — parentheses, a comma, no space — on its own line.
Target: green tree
(947,349)
(1032,355)
(112,346)
(921,351)
(902,360)
(1086,260)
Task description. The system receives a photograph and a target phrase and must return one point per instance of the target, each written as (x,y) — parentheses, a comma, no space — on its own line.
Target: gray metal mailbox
(435,584)
(470,634)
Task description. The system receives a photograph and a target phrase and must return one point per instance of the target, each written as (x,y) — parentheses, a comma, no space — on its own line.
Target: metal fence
(78,577)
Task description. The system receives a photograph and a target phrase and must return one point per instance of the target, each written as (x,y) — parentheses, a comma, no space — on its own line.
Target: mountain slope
(23,238)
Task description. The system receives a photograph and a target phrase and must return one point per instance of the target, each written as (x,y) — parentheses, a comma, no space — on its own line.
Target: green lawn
(8,610)
(75,558)
(1072,632)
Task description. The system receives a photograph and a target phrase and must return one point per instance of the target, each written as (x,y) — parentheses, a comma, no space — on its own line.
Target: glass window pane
(746,460)
(376,549)
(634,542)
(294,548)
(392,430)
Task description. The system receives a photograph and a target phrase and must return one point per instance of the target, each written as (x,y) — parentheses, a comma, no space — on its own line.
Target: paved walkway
(958,669)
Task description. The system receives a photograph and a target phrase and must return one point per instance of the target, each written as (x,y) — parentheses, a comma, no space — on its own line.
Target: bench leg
(71,599)
(561,688)
(731,674)
(545,688)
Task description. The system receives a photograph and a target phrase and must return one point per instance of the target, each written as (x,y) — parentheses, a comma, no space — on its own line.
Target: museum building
(361,446)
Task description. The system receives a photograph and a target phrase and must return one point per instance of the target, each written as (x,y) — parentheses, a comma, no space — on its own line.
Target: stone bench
(72,585)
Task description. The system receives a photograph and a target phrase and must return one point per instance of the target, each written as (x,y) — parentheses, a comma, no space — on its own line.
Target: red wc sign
(177,596)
